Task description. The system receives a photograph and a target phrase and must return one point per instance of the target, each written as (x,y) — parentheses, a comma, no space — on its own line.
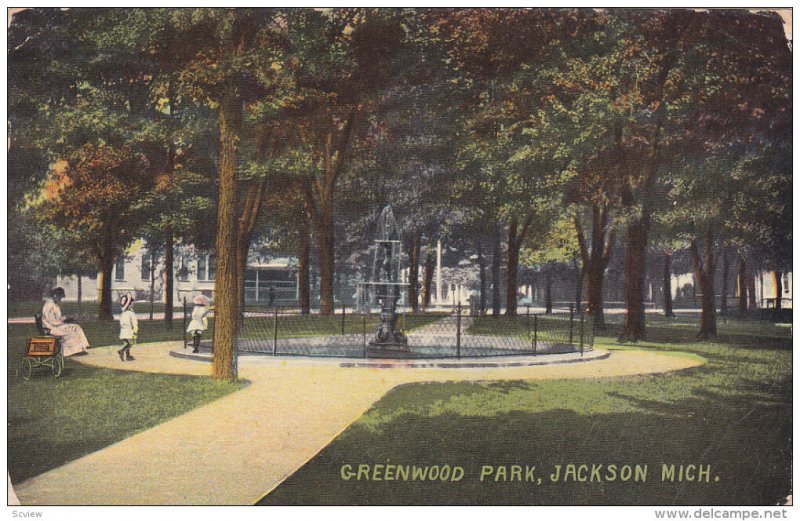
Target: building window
(212,266)
(148,260)
(786,282)
(183,270)
(201,267)
(269,285)
(206,267)
(120,269)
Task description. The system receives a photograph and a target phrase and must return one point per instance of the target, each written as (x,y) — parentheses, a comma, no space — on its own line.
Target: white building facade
(194,274)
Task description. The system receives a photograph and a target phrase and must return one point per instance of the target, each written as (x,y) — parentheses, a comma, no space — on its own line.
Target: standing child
(128,327)
(199,323)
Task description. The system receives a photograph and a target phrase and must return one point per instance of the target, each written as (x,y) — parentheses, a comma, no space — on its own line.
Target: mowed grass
(734,414)
(304,326)
(545,328)
(52,421)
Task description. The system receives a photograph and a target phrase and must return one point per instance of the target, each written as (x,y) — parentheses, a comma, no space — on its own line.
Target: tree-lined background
(536,142)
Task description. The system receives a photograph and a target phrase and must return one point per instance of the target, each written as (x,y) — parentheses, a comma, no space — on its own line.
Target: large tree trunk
(778,277)
(635,270)
(496,261)
(596,259)
(512,263)
(152,282)
(667,282)
(319,194)
(639,229)
(250,212)
(245,230)
(704,272)
(226,282)
(413,272)
(169,275)
(742,280)
(515,238)
(427,278)
(325,242)
(303,266)
(580,274)
(723,307)
(105,257)
(169,237)
(482,277)
(596,267)
(595,296)
(548,293)
(242,248)
(106,269)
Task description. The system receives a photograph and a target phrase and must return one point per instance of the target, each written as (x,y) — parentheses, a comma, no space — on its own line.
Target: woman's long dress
(71,336)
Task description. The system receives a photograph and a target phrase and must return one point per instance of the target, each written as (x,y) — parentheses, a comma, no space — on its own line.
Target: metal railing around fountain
(453,334)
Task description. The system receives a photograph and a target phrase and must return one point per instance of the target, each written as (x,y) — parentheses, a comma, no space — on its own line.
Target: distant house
(766,289)
(277,275)
(195,273)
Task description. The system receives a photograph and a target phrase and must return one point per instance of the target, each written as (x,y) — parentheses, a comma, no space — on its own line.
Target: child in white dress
(199,323)
(128,327)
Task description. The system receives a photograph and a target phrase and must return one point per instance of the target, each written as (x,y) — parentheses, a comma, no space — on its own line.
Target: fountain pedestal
(388,341)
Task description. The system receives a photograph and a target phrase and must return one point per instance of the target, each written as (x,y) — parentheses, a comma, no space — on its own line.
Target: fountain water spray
(388,340)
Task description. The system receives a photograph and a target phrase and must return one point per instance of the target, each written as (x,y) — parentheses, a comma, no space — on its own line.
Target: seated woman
(71,337)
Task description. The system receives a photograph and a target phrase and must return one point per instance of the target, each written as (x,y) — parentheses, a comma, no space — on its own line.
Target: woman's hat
(200,300)
(125,301)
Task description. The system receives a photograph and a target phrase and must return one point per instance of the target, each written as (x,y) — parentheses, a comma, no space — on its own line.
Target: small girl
(199,323)
(128,327)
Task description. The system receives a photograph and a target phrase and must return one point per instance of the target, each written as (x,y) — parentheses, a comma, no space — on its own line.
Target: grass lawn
(302,326)
(546,328)
(55,420)
(733,414)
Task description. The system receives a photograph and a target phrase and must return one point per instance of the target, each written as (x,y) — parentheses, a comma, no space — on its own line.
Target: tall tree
(93,193)
(490,49)
(341,60)
(671,65)
(225,64)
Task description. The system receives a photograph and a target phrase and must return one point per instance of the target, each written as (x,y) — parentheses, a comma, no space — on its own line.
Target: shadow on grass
(733,414)
(696,432)
(756,334)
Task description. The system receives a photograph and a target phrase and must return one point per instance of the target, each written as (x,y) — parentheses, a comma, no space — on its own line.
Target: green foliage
(95,195)
(557,244)
(477,116)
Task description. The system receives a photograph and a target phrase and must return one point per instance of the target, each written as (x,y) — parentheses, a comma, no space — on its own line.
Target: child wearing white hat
(128,327)
(199,323)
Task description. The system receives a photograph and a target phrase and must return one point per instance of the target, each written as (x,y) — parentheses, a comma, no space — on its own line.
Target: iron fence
(454,333)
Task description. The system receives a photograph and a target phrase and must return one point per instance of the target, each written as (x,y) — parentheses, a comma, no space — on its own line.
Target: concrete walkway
(240,447)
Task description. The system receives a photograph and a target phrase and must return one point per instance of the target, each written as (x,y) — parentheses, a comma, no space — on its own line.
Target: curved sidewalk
(237,449)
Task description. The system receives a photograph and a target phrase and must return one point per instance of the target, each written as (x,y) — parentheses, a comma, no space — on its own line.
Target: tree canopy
(534,137)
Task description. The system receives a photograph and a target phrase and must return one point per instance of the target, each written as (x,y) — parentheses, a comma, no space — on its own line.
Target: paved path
(240,447)
(446,327)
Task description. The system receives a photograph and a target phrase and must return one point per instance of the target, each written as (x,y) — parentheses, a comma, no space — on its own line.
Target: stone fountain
(388,341)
